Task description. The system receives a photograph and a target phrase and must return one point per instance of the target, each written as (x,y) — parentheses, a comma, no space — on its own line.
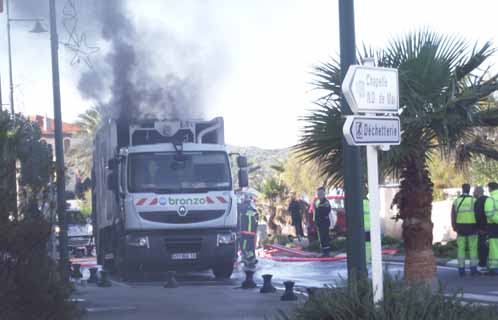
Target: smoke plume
(151,72)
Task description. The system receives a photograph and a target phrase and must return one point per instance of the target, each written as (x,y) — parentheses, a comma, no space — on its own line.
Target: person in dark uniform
(482,242)
(297,219)
(322,220)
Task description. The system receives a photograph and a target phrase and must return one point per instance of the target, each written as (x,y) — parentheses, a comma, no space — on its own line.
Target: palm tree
(81,155)
(441,90)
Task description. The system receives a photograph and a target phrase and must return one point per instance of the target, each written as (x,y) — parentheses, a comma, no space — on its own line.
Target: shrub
(412,302)
(31,286)
(314,246)
(448,250)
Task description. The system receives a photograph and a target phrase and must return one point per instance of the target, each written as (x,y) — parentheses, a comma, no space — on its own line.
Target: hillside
(260,160)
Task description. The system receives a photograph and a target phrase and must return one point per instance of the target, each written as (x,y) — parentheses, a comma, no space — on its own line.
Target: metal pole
(7,6)
(1,101)
(59,151)
(352,162)
(374,195)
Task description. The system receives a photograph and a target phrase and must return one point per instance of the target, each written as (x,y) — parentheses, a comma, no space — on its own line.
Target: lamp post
(59,150)
(38,28)
(352,161)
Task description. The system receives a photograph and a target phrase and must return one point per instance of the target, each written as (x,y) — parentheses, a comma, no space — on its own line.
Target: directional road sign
(365,130)
(371,89)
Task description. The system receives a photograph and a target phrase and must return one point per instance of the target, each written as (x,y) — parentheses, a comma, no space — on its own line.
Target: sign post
(373,90)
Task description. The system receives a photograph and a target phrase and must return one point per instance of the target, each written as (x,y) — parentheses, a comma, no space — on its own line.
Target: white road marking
(480,297)
(110,308)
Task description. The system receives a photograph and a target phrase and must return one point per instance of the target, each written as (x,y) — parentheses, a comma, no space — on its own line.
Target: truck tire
(223,270)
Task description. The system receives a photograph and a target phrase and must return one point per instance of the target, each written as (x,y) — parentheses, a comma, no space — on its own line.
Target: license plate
(184,256)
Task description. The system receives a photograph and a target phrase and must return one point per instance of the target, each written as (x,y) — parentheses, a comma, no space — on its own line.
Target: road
(200,296)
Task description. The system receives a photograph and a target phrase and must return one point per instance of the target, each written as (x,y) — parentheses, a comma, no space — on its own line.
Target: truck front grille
(78,241)
(183,245)
(192,216)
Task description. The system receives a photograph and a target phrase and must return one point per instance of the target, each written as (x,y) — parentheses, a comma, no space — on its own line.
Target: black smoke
(138,90)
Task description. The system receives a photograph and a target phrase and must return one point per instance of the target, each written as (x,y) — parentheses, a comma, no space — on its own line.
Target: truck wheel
(223,270)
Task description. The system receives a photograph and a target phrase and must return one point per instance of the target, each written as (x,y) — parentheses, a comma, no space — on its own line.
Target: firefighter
(248,229)
(464,222)
(322,221)
(296,215)
(366,225)
(491,209)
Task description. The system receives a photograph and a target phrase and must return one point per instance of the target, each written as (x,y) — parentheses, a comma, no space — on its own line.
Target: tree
(81,155)
(483,171)
(441,88)
(273,189)
(303,178)
(32,287)
(444,174)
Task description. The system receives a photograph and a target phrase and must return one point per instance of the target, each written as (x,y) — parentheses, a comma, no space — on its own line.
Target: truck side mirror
(242,162)
(112,164)
(243,178)
(112,181)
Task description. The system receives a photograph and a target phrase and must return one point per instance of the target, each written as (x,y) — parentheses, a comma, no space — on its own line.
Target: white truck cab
(169,201)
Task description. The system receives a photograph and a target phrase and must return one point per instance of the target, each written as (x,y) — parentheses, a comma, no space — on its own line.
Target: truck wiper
(194,190)
(165,191)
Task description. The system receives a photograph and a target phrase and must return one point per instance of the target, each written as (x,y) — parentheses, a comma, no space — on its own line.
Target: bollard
(76,271)
(289,292)
(93,275)
(249,282)
(170,280)
(267,286)
(104,279)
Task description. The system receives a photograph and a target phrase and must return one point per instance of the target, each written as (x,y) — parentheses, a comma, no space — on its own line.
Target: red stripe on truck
(209,200)
(141,202)
(153,202)
(221,199)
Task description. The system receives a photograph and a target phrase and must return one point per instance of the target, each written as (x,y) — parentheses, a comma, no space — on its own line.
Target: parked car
(80,230)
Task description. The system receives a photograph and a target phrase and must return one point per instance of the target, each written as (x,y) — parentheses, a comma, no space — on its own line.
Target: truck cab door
(122,184)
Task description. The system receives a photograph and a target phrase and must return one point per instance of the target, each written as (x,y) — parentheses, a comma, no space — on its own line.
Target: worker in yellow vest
(366,224)
(464,222)
(491,210)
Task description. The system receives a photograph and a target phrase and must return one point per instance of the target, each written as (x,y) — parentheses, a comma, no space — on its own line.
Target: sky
(254,58)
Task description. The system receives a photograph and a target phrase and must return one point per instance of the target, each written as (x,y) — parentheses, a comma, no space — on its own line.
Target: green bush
(314,246)
(339,244)
(446,251)
(31,286)
(277,239)
(415,302)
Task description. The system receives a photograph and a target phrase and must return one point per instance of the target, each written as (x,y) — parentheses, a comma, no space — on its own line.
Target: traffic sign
(371,89)
(365,130)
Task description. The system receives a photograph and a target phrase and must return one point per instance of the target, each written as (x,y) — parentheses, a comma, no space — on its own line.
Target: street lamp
(38,28)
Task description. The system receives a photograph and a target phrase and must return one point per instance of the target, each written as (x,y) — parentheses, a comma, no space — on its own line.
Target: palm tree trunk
(415,204)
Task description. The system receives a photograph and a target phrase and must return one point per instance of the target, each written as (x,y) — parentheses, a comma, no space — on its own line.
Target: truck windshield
(166,173)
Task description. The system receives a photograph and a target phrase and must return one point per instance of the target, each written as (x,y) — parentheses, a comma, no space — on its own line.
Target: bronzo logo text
(187,201)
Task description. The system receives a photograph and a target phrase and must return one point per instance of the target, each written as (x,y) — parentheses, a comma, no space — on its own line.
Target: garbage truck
(164,197)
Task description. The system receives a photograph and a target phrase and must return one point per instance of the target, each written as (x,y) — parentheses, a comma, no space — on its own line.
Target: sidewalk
(152,301)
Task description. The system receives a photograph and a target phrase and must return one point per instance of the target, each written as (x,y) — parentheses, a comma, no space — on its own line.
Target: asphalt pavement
(201,296)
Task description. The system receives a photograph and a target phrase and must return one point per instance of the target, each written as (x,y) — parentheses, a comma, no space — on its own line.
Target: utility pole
(9,47)
(59,149)
(352,161)
(1,101)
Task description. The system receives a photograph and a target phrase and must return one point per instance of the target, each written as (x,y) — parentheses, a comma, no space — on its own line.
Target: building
(47,128)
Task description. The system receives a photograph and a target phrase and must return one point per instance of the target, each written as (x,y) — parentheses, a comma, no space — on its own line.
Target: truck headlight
(137,241)
(57,229)
(226,238)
